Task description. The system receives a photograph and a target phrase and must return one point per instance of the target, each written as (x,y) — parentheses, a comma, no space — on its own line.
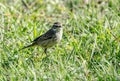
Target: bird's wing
(48,35)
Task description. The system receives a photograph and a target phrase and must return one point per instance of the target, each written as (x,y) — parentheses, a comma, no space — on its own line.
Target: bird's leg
(45,51)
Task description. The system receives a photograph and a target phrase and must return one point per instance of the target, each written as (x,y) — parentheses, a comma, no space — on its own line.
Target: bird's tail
(33,44)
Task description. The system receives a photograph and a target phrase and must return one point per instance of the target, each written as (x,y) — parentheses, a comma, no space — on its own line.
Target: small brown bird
(49,39)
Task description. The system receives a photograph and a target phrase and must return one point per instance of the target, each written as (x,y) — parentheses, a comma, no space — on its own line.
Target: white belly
(59,35)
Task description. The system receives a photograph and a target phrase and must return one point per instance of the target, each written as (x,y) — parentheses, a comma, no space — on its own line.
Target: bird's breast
(59,35)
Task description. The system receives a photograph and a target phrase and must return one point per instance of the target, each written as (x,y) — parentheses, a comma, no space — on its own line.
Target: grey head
(57,25)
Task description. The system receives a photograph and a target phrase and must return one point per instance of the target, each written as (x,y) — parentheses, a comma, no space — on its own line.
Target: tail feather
(33,44)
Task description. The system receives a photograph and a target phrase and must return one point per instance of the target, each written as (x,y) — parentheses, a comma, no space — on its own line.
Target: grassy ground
(89,50)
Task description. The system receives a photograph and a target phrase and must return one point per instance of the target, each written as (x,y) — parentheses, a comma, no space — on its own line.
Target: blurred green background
(89,50)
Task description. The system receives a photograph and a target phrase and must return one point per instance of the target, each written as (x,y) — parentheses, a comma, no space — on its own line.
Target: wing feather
(48,35)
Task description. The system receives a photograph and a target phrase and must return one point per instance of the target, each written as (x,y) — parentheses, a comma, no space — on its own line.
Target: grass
(89,50)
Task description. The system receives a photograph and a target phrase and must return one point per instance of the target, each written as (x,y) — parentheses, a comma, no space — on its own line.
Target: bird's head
(57,25)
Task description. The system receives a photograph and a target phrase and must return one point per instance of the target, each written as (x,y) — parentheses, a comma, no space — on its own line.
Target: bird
(48,39)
